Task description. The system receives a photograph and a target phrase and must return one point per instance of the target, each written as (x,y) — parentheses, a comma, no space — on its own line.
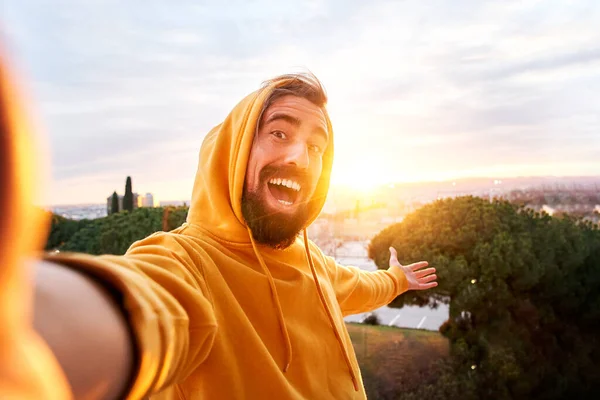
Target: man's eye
(278,134)
(316,149)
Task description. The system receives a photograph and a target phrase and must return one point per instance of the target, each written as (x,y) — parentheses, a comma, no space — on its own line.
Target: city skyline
(417,92)
(419,191)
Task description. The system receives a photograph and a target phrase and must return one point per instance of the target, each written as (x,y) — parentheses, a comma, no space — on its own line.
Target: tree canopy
(112,234)
(128,197)
(523,290)
(114,203)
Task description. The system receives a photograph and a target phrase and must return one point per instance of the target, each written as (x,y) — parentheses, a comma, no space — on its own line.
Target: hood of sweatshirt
(216,204)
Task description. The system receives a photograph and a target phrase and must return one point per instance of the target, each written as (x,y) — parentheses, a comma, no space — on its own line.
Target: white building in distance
(147,200)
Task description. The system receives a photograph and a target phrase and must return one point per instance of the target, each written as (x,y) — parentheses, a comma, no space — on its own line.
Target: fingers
(428,279)
(423,272)
(416,266)
(426,286)
(425,277)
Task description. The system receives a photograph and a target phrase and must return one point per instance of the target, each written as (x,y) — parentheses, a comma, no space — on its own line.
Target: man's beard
(272,228)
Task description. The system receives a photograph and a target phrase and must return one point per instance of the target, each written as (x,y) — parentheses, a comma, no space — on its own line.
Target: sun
(363,175)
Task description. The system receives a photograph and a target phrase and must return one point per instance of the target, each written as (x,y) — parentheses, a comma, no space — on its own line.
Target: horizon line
(491,178)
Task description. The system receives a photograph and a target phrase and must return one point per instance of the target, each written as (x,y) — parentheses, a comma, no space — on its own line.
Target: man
(237,302)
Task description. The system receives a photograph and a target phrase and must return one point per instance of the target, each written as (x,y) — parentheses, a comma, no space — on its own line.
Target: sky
(418,90)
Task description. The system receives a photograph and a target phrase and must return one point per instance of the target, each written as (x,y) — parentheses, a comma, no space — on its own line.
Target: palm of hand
(417,278)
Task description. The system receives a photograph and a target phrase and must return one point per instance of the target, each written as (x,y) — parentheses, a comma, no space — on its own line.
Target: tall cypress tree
(114,203)
(128,198)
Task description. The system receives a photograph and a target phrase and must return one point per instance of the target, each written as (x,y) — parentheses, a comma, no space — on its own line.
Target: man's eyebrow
(296,122)
(285,117)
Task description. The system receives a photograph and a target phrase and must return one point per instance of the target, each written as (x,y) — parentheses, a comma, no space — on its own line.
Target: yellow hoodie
(217,316)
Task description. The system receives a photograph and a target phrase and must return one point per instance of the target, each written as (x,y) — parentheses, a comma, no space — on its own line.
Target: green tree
(114,203)
(523,290)
(112,234)
(62,230)
(128,197)
(372,319)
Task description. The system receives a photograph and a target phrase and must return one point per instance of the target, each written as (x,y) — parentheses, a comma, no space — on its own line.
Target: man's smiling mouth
(285,191)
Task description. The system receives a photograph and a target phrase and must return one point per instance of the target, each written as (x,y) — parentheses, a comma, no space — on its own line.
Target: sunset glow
(416,92)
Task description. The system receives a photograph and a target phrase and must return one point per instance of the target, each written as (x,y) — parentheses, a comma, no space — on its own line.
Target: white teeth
(287,203)
(286,182)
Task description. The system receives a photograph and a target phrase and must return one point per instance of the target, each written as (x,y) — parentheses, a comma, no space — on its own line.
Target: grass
(395,360)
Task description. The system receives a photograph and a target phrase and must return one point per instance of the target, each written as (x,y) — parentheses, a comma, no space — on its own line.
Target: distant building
(147,200)
(136,202)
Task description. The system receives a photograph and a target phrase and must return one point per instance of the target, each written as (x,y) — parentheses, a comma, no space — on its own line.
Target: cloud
(555,61)
(125,88)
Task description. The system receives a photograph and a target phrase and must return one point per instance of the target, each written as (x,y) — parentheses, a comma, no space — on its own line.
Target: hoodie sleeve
(359,291)
(167,303)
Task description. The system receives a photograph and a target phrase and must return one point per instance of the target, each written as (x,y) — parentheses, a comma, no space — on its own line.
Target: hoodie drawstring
(284,332)
(329,314)
(282,326)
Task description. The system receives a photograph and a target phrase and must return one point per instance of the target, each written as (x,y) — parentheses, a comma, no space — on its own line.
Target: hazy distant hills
(346,198)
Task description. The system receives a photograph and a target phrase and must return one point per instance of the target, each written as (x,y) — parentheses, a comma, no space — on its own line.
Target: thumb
(394,257)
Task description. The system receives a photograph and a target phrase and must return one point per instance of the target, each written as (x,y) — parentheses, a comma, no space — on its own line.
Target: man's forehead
(296,110)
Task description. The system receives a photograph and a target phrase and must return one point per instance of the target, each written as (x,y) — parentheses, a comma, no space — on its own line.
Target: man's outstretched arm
(361,291)
(86,330)
(156,290)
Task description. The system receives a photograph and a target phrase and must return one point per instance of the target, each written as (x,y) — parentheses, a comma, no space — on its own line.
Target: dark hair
(305,85)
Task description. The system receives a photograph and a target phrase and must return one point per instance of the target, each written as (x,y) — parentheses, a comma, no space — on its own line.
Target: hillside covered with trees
(523,290)
(112,234)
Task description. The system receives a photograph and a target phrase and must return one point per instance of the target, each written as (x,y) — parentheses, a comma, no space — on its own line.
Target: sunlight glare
(364,175)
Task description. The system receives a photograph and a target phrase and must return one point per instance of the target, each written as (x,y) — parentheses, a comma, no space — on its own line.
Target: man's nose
(298,156)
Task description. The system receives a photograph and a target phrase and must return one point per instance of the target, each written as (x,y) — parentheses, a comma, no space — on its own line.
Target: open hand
(417,278)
